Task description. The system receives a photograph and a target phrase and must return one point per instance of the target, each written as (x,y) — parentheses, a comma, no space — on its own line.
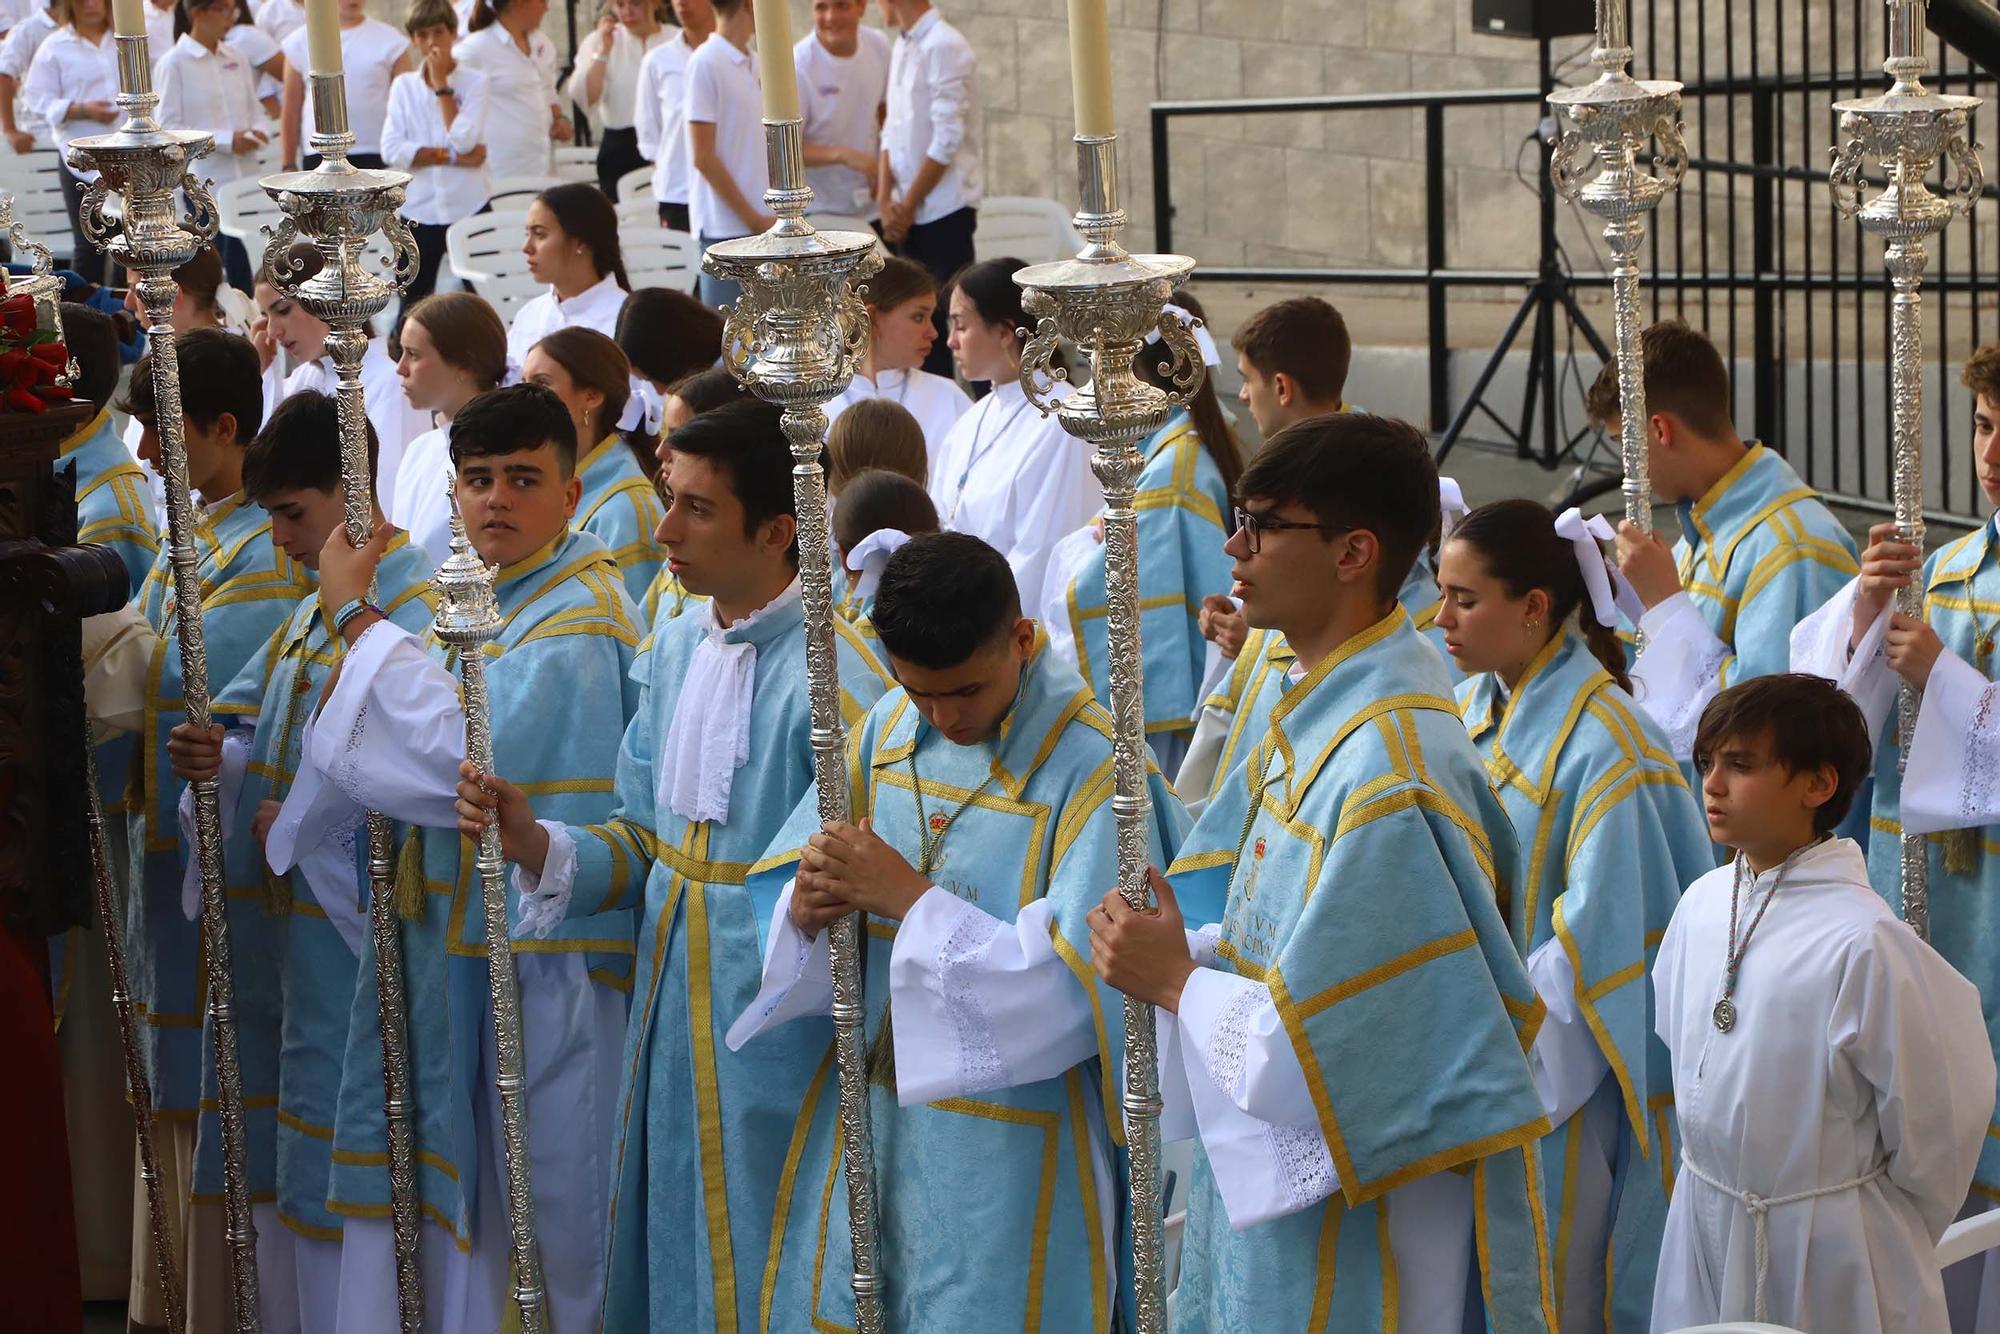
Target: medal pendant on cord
(1725,1015)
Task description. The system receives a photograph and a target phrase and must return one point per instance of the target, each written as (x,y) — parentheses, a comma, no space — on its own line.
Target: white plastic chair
(245,209)
(639,213)
(513,194)
(1032,230)
(576,162)
(636,184)
(485,251)
(659,257)
(1969,1237)
(37,181)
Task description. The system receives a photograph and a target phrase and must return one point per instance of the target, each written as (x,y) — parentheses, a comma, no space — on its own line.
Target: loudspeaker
(1536,20)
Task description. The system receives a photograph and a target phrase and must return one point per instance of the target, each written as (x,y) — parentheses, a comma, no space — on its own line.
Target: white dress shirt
(617,104)
(23,40)
(68,70)
(159,29)
(215,91)
(281,18)
(520,99)
(419,502)
(437,195)
(936,403)
(260,49)
(723,90)
(840,101)
(594,308)
(934,113)
(369,51)
(14,11)
(659,115)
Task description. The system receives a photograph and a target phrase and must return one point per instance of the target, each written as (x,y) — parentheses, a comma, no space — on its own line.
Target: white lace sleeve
(980,1004)
(1953,778)
(1256,1116)
(1567,1062)
(1679,671)
(391,736)
(797,979)
(545,897)
(1823,645)
(229,785)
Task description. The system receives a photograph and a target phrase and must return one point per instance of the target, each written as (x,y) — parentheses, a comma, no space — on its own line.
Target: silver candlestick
(468,616)
(1907,130)
(1108,302)
(793,339)
(1612,119)
(146,164)
(336,207)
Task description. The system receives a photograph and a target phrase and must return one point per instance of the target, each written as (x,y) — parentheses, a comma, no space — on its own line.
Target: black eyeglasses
(1253,526)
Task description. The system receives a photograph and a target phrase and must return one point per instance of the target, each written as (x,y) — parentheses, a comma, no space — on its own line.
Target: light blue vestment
(249,588)
(993,1209)
(559,697)
(620,508)
(294,974)
(114,498)
(1360,885)
(701,1129)
(1608,835)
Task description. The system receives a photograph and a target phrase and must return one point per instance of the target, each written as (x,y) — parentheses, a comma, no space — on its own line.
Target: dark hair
(201,278)
(594,362)
(1204,409)
(219,373)
(875,433)
(93,340)
(1354,470)
(875,499)
(667,334)
(1305,338)
(899,280)
(430,14)
(1982,372)
(1810,722)
(989,285)
(466,332)
(299,448)
(943,597)
(705,391)
(586,213)
(1684,376)
(515,420)
(1517,542)
(743,440)
(486,13)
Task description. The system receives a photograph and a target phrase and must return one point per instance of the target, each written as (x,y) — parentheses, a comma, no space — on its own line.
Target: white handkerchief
(709,738)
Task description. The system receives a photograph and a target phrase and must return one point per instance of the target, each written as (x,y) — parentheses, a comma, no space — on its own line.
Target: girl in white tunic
(372,54)
(504,42)
(1006,473)
(902,301)
(454,349)
(1832,1078)
(572,245)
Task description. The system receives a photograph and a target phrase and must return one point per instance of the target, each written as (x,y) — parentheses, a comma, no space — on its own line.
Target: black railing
(1817,305)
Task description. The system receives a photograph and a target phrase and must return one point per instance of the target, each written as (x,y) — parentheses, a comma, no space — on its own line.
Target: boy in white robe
(1832,1077)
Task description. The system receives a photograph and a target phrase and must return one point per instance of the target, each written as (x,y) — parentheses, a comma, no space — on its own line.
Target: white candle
(323,36)
(1090,66)
(774,59)
(128,19)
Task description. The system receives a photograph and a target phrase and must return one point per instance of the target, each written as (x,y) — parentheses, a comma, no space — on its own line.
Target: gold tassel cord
(409,880)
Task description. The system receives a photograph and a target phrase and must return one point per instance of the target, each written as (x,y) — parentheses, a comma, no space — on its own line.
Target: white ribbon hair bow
(1451,502)
(1609,592)
(643,404)
(510,376)
(1202,338)
(871,556)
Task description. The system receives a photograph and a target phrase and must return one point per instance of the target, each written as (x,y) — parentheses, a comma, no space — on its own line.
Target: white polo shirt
(659,116)
(159,29)
(520,97)
(437,195)
(214,91)
(281,18)
(616,106)
(369,51)
(840,101)
(934,113)
(23,40)
(65,71)
(723,90)
(594,308)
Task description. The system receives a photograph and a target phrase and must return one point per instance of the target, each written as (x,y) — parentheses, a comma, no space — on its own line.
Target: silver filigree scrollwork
(793,339)
(315,258)
(1106,301)
(145,165)
(1606,126)
(1906,131)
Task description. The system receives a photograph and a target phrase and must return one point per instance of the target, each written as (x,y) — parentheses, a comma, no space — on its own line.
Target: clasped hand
(846,868)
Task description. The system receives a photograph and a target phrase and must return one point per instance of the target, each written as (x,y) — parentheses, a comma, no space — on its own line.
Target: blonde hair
(876,433)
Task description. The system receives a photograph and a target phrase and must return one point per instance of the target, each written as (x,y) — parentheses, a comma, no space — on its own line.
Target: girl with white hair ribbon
(1607,835)
(1184,498)
(879,512)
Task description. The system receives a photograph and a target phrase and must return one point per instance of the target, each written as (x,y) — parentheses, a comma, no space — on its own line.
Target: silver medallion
(1725,1015)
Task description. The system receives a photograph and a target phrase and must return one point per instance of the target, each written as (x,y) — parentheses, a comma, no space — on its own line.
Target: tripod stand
(1551,296)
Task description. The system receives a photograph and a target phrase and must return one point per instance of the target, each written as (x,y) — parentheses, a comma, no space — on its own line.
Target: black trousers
(943,248)
(365,161)
(674,217)
(617,154)
(430,258)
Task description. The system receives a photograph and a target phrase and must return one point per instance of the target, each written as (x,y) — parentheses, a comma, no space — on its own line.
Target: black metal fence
(1748,249)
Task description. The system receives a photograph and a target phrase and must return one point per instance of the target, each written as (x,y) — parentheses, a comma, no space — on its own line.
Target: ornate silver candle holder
(1611,120)
(1107,302)
(1907,130)
(333,210)
(145,164)
(793,339)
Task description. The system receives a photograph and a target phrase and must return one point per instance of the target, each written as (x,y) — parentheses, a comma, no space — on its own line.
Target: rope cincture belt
(1759,1209)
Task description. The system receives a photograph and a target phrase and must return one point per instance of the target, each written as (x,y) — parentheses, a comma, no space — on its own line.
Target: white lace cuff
(545,897)
(1679,671)
(1953,777)
(1567,1062)
(797,979)
(229,788)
